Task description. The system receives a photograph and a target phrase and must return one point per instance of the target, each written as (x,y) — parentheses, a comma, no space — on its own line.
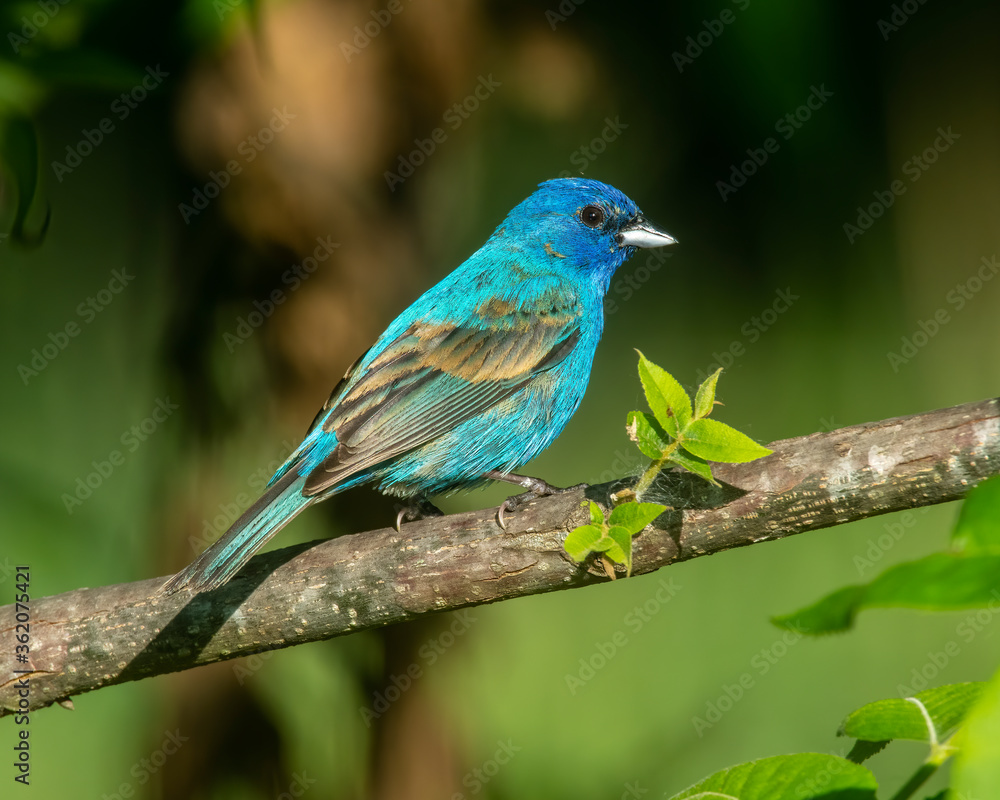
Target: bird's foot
(536,488)
(421,508)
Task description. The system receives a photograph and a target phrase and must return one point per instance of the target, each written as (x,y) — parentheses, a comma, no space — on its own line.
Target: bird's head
(581,225)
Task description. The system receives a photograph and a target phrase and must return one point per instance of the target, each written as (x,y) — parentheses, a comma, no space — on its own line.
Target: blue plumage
(473,380)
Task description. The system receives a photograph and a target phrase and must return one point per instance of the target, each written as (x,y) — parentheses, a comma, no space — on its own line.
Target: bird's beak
(640,232)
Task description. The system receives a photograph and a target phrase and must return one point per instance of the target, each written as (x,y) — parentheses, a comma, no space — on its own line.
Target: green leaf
(608,545)
(716,441)
(635,516)
(645,431)
(692,464)
(978,527)
(976,773)
(900,718)
(596,514)
(666,397)
(863,750)
(622,552)
(794,777)
(938,582)
(580,541)
(831,614)
(704,401)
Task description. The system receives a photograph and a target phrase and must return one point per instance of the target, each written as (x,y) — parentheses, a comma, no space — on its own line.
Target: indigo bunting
(473,380)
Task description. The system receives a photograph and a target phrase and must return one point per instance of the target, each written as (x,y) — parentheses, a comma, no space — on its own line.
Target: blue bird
(472,381)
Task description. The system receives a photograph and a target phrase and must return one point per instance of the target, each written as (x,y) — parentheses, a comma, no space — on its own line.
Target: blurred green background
(264,128)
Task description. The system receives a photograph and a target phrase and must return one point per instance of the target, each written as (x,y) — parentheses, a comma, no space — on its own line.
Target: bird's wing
(435,375)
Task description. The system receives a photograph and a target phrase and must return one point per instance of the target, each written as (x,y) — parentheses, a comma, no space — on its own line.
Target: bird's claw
(420,509)
(539,489)
(514,504)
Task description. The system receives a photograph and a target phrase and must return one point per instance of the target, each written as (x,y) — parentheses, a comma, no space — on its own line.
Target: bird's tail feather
(279,504)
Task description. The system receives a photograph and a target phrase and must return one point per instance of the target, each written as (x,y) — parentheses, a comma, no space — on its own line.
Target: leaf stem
(654,469)
(916,781)
(939,754)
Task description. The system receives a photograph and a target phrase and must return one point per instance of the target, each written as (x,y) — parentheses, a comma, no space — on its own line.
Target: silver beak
(640,232)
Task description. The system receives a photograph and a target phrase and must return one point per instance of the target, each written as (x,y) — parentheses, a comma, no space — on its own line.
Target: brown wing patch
(510,343)
(392,408)
(496,307)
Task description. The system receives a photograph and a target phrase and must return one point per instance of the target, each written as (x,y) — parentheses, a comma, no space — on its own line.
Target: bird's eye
(592,216)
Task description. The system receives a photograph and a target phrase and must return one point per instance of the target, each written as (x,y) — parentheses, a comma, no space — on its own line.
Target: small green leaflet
(704,400)
(693,464)
(645,431)
(581,542)
(716,441)
(666,397)
(614,536)
(900,718)
(634,517)
(792,777)
(622,552)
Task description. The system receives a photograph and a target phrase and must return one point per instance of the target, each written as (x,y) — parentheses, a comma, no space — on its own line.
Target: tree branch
(89,638)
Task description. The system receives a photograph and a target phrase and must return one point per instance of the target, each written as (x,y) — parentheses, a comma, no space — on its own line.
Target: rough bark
(89,638)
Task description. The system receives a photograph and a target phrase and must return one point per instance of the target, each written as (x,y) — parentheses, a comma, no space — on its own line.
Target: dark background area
(663,101)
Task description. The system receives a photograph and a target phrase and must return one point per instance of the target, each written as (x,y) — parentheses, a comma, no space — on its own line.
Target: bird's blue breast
(504,438)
